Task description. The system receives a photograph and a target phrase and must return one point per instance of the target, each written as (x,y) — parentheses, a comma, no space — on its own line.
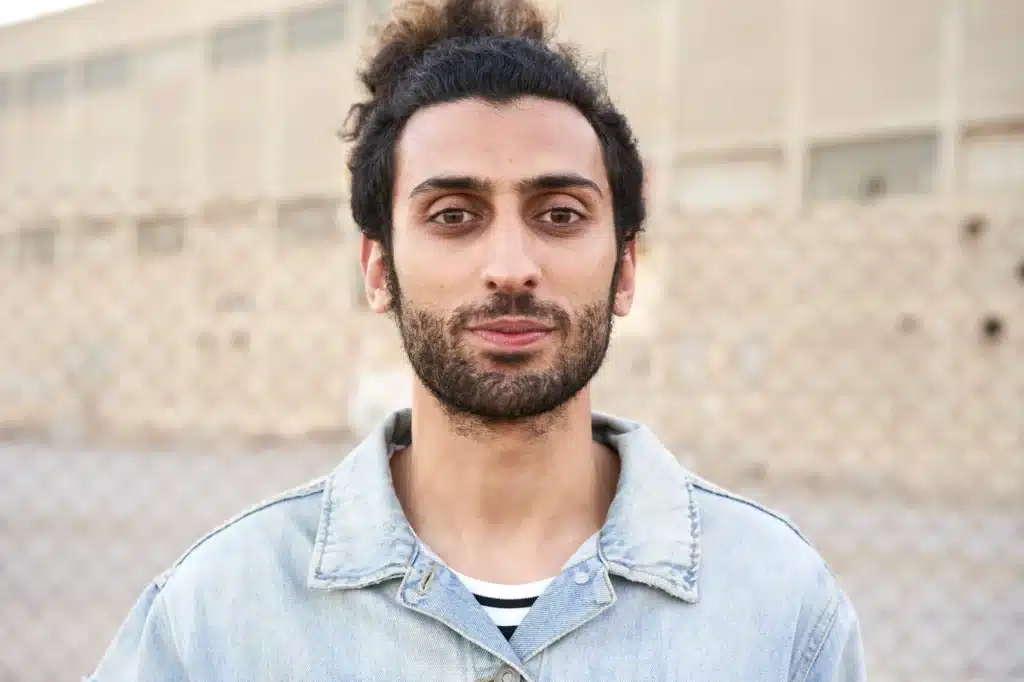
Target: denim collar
(651,535)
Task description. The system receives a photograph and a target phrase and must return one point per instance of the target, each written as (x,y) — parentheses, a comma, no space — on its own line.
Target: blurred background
(830,315)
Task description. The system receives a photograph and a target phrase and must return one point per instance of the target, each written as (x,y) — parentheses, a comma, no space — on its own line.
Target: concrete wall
(849,342)
(862,344)
(705,83)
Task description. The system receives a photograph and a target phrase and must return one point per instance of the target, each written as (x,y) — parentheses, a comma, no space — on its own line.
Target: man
(498,530)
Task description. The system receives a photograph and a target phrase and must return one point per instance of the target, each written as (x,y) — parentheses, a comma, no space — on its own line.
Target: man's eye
(451,216)
(562,216)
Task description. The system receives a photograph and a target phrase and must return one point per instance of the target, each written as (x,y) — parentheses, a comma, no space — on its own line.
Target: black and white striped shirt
(505,604)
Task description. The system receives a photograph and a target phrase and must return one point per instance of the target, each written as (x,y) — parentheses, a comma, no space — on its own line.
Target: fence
(857,366)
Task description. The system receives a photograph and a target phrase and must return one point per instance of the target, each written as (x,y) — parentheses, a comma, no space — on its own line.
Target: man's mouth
(511,333)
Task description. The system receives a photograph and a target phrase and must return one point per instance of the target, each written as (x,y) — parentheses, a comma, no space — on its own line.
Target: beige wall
(719,80)
(846,343)
(179,131)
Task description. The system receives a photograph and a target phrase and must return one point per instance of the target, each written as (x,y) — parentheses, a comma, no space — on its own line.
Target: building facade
(770,103)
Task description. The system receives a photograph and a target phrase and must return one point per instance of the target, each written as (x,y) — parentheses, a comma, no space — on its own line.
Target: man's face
(503,274)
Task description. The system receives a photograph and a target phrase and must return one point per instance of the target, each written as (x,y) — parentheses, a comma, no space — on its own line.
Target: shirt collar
(651,535)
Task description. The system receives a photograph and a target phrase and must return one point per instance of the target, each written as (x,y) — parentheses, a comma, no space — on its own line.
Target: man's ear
(375,275)
(626,285)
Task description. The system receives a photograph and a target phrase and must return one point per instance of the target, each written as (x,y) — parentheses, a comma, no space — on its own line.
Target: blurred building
(837,229)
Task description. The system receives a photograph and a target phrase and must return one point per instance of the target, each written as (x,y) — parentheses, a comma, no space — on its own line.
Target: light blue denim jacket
(329,582)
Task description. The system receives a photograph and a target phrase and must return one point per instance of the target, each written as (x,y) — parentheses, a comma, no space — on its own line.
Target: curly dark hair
(496,50)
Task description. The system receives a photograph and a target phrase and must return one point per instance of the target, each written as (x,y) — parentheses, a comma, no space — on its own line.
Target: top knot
(417,26)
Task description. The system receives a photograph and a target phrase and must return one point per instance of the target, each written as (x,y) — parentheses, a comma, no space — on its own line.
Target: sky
(20,10)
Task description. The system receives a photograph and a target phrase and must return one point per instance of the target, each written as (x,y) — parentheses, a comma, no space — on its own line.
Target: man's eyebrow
(468,183)
(465,183)
(557,181)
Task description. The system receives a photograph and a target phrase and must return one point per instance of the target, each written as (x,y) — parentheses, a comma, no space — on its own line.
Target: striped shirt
(505,604)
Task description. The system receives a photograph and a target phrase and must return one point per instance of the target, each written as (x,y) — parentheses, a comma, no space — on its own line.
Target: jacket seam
(323,530)
(313,488)
(170,631)
(712,489)
(693,569)
(817,643)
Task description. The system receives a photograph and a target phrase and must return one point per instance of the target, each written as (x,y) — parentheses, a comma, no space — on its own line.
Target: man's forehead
(501,144)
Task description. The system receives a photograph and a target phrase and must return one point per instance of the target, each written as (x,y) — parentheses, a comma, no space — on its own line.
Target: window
(168,60)
(242,42)
(994,161)
(37,245)
(98,228)
(47,84)
(729,183)
(314,26)
(160,235)
(312,220)
(234,302)
(874,168)
(105,71)
(97,238)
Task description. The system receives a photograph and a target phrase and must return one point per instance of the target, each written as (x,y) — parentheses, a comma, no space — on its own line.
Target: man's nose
(511,265)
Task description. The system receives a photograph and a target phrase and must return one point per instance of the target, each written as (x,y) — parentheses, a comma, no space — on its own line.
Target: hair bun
(417,26)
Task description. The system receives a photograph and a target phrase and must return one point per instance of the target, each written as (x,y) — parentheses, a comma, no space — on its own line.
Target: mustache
(522,304)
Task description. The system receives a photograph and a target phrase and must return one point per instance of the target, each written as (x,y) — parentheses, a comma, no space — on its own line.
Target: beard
(466,386)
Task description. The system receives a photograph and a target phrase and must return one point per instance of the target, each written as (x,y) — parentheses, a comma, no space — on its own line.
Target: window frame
(929,138)
(27,245)
(36,93)
(149,247)
(226,43)
(331,13)
(90,80)
(300,235)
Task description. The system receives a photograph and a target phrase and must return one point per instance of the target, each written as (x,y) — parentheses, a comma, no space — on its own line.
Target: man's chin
(486,360)
(506,360)
(507,415)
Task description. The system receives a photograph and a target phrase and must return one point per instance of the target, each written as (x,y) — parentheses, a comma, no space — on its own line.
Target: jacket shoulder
(268,512)
(744,532)
(721,501)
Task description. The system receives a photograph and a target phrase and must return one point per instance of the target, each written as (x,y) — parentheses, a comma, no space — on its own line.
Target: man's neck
(506,503)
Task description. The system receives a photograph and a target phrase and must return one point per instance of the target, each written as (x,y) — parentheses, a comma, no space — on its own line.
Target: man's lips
(511,332)
(512,325)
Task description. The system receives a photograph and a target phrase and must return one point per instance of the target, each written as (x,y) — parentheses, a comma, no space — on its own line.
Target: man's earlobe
(626,286)
(380,301)
(375,275)
(623,303)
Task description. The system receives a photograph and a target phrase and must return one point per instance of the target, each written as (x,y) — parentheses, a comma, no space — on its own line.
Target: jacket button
(507,675)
